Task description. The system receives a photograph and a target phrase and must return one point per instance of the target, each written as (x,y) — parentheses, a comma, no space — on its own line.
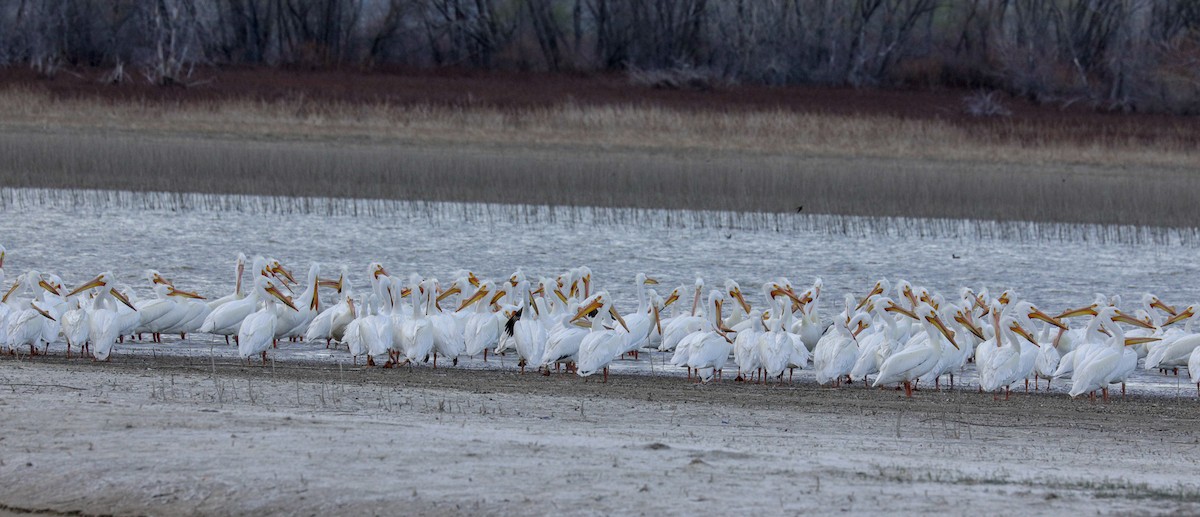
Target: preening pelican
(602,344)
(75,322)
(1003,366)
(840,349)
(105,324)
(563,340)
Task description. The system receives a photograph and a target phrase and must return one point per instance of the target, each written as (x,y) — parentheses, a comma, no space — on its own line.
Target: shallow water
(196,248)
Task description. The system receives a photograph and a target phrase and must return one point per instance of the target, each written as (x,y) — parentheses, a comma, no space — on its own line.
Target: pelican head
(1086,310)
(1187,313)
(590,305)
(156,278)
(673,297)
(483,290)
(1150,300)
(376,270)
(881,287)
(927,313)
(1029,310)
(735,292)
(104,281)
(283,273)
(272,291)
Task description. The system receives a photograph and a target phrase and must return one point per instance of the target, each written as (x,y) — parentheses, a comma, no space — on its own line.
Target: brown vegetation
(579,141)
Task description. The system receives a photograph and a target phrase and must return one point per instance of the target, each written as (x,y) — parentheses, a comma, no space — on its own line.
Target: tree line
(1112,54)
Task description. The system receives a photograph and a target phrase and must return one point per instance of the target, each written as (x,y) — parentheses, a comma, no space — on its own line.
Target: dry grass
(626,126)
(611,156)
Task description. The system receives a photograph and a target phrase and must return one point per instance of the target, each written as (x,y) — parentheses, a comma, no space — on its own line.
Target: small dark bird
(955,256)
(799,209)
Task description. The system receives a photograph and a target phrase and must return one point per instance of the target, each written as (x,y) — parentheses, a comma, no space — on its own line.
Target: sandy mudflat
(183,434)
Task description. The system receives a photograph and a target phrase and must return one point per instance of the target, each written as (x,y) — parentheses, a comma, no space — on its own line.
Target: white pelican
(239,269)
(1177,351)
(195,309)
(227,319)
(294,323)
(809,326)
(709,348)
(362,333)
(163,312)
(563,341)
(698,331)
(1151,307)
(128,318)
(257,331)
(1077,342)
(417,331)
(330,324)
(776,345)
(644,321)
(25,321)
(1002,367)
(741,309)
(745,346)
(887,336)
(75,326)
(1193,367)
(528,332)
(518,291)
(969,339)
(823,351)
(1024,312)
(602,343)
(1098,369)
(447,328)
(483,326)
(377,331)
(676,328)
(1048,356)
(843,349)
(917,358)
(5,308)
(104,323)
(25,328)
(799,352)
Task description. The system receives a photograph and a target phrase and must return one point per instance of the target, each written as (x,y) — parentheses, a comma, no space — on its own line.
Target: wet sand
(171,434)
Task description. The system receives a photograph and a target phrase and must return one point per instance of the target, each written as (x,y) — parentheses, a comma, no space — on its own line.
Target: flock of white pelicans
(891,336)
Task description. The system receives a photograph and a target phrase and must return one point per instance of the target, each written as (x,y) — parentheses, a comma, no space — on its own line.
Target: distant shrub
(985,104)
(678,78)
